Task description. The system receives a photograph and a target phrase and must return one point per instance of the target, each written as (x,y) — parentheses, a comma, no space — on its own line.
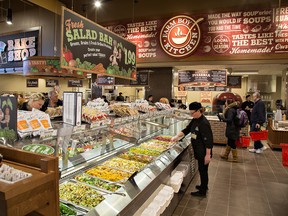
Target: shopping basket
(284,154)
(259,135)
(243,141)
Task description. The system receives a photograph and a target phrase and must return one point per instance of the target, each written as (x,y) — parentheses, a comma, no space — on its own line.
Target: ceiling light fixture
(9,16)
(245,72)
(97,3)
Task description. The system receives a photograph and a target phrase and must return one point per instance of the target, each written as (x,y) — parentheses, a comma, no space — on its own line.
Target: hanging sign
(105,80)
(32,83)
(75,83)
(234,81)
(52,83)
(89,47)
(142,79)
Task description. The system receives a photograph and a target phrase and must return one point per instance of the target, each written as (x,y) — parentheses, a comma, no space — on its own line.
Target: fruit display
(108,173)
(144,151)
(97,182)
(92,115)
(136,157)
(152,146)
(123,164)
(80,194)
(123,110)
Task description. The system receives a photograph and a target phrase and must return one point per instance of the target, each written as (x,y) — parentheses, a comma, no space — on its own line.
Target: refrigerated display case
(101,163)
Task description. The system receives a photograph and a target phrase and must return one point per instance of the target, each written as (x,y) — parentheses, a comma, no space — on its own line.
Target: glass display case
(105,162)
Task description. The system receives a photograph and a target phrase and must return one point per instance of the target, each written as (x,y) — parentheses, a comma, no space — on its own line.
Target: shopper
(164,100)
(150,100)
(232,130)
(35,101)
(258,118)
(52,101)
(172,103)
(202,143)
(247,107)
(120,97)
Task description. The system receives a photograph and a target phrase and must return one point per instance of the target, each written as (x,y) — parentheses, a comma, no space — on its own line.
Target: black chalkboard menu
(51,83)
(234,81)
(202,78)
(142,79)
(75,83)
(32,83)
(105,80)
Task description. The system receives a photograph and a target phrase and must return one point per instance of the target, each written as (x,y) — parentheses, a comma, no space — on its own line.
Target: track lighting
(9,16)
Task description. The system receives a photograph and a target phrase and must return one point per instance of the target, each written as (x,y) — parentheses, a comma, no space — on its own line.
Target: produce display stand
(35,195)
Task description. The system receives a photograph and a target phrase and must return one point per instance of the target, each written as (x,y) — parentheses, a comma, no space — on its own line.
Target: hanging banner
(201,78)
(89,47)
(17,46)
(75,83)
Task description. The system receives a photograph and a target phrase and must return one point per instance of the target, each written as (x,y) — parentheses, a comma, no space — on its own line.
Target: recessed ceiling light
(97,3)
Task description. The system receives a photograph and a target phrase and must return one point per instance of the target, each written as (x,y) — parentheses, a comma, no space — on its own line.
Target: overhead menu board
(105,80)
(202,78)
(89,47)
(234,81)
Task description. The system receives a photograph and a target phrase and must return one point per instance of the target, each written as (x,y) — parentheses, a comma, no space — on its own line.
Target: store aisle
(257,185)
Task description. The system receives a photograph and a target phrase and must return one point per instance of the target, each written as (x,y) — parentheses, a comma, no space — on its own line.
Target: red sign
(234,33)
(180,36)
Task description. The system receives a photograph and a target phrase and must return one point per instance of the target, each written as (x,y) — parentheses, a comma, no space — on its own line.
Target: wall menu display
(234,81)
(234,33)
(202,78)
(89,47)
(32,83)
(105,80)
(191,88)
(141,80)
(75,83)
(52,83)
(17,46)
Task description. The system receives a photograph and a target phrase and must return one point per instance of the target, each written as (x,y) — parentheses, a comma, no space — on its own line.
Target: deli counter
(113,170)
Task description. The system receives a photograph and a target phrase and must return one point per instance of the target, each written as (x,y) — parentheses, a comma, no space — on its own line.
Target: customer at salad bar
(35,101)
(202,143)
(52,101)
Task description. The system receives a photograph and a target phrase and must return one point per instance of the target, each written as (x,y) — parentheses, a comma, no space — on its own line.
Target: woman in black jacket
(232,130)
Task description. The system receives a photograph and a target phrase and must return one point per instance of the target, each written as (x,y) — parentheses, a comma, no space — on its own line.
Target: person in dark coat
(247,107)
(258,118)
(120,97)
(202,143)
(232,130)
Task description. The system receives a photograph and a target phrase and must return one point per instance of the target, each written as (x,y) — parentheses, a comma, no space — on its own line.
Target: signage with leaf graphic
(89,47)
(8,118)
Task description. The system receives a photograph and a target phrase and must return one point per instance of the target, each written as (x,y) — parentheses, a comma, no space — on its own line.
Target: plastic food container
(148,212)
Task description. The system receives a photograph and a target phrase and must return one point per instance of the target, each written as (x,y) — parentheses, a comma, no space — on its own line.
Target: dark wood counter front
(276,137)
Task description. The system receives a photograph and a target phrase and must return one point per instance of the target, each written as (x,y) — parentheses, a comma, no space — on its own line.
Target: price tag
(79,128)
(47,134)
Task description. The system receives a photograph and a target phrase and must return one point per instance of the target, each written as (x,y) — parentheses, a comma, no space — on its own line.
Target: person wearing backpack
(232,129)
(258,118)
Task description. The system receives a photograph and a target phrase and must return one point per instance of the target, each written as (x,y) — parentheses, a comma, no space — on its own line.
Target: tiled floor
(256,185)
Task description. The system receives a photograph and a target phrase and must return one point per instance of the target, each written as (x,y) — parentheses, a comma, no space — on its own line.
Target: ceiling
(133,10)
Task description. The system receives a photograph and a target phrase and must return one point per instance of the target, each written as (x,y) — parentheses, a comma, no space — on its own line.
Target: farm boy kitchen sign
(14,48)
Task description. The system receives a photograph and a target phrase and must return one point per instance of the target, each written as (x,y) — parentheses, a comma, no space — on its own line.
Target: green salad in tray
(97,182)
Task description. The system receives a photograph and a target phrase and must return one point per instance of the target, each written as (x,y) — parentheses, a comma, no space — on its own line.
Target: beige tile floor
(255,186)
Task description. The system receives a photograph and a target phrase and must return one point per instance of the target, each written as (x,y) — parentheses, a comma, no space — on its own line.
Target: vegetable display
(97,182)
(108,173)
(80,194)
(66,210)
(123,164)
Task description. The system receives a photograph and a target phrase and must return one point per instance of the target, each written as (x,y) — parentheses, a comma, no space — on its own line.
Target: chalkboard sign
(105,80)
(89,47)
(202,78)
(234,81)
(32,83)
(142,79)
(75,83)
(51,83)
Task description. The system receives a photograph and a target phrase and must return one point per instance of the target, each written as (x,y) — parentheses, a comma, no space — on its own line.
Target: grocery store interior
(80,134)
